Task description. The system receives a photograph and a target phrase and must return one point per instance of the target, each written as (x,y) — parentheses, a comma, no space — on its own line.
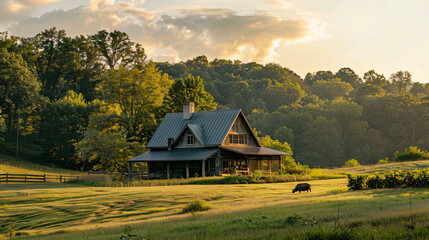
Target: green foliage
(411,154)
(62,125)
(196,206)
(285,94)
(393,179)
(19,89)
(331,89)
(104,145)
(352,163)
(383,161)
(357,182)
(138,94)
(190,89)
(326,117)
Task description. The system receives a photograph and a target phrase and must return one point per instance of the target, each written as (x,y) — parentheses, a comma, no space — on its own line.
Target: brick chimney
(188,109)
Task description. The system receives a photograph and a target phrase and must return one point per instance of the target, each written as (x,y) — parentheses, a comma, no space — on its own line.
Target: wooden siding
(239,127)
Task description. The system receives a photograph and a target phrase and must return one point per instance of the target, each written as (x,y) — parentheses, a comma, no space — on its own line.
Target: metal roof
(184,154)
(255,151)
(213,127)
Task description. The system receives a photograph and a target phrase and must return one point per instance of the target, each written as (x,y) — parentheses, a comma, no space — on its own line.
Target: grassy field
(248,211)
(380,168)
(13,165)
(239,211)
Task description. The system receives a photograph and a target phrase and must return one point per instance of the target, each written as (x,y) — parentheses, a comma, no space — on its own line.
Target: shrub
(411,154)
(394,179)
(357,182)
(196,206)
(383,161)
(352,163)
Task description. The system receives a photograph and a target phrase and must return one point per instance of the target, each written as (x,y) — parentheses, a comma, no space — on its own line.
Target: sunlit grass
(13,165)
(380,168)
(90,211)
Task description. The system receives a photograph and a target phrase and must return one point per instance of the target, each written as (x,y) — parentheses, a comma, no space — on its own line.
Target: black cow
(302,187)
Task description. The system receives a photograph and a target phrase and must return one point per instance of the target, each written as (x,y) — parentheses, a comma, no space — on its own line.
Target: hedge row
(394,179)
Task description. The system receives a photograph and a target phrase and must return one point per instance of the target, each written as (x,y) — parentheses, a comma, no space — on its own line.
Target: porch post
(229,166)
(187,170)
(269,165)
(148,171)
(130,171)
(168,170)
(280,164)
(248,164)
(203,168)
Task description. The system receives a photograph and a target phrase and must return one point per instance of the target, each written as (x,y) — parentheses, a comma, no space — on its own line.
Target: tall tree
(190,89)
(105,145)
(402,80)
(139,94)
(349,76)
(117,49)
(19,89)
(62,126)
(371,77)
(282,94)
(331,89)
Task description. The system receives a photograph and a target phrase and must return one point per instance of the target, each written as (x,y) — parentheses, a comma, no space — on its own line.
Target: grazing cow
(302,187)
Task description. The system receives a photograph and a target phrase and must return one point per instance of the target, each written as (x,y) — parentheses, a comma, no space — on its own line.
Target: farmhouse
(207,143)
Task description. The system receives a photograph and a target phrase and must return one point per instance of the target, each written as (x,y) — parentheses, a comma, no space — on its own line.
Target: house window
(190,140)
(238,138)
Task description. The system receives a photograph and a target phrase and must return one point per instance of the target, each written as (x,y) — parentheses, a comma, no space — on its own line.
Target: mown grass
(380,168)
(242,211)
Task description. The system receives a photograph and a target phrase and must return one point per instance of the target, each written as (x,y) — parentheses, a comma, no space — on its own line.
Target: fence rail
(29,178)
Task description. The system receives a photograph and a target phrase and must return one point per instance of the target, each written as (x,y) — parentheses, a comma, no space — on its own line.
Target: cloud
(12,10)
(216,33)
(223,33)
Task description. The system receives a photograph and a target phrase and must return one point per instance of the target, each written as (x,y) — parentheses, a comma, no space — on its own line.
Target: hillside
(381,168)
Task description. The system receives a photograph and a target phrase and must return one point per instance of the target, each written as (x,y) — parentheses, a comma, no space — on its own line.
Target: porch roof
(189,154)
(261,151)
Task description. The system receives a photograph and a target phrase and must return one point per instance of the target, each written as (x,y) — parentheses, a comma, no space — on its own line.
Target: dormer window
(190,140)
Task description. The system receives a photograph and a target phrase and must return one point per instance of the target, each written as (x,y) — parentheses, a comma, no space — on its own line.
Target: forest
(92,102)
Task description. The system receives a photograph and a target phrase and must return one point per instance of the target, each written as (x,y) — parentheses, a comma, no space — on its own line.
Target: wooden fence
(30,178)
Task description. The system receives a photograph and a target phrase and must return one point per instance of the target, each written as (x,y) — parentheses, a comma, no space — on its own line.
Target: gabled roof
(197,131)
(213,126)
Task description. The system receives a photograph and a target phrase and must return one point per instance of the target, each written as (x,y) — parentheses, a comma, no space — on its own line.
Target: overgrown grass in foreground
(379,214)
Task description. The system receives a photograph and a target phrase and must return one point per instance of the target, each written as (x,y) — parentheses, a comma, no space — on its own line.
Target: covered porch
(243,160)
(179,163)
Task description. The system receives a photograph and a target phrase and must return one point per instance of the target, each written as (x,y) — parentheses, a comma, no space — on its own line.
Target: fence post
(44,177)
(61,178)
(25,178)
(7,177)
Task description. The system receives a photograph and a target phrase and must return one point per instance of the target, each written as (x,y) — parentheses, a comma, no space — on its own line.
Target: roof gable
(211,126)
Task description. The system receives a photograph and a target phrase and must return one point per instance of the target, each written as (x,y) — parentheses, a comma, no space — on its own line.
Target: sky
(302,35)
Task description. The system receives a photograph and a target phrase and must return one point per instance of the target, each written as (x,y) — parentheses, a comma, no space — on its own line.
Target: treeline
(94,101)
(90,102)
(327,118)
